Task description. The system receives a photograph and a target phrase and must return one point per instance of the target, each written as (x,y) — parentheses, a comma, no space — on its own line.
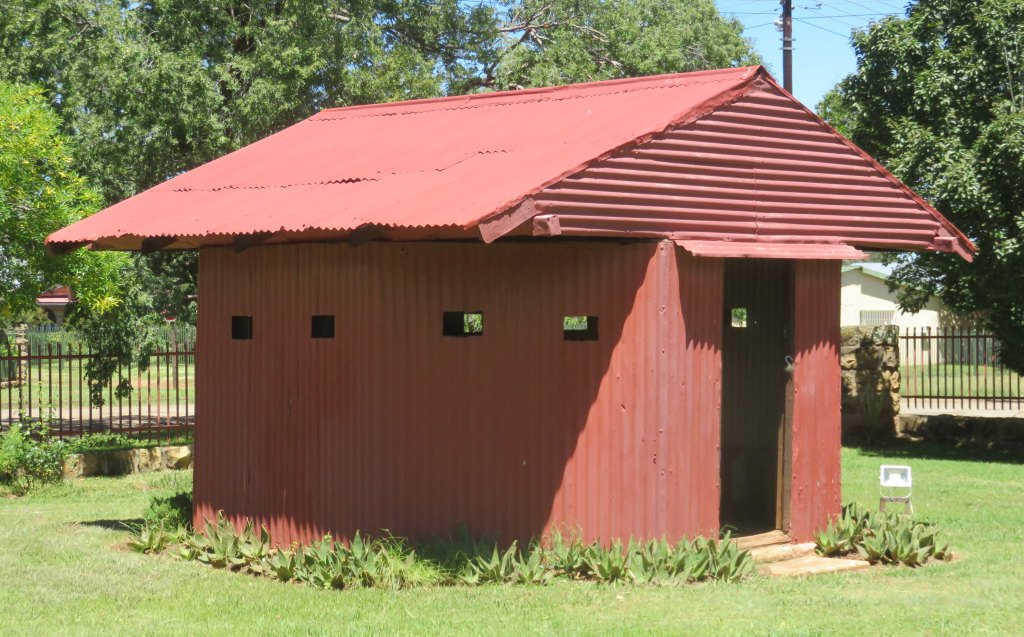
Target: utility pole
(787,44)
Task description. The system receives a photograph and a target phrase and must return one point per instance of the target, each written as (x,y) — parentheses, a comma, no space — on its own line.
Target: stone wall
(1004,434)
(870,362)
(125,461)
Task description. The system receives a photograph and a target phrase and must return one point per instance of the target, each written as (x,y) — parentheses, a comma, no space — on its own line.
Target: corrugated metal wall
(761,168)
(815,487)
(391,425)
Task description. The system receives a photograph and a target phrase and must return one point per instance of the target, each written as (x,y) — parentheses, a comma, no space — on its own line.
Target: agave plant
(284,565)
(566,556)
(499,568)
(149,538)
(531,569)
(607,565)
(886,537)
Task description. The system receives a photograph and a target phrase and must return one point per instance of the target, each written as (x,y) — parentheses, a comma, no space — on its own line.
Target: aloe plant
(531,569)
(499,568)
(148,538)
(607,565)
(566,556)
(885,537)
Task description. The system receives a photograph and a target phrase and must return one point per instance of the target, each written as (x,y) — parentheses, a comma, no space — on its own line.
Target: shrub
(29,456)
(101,442)
(170,511)
(887,537)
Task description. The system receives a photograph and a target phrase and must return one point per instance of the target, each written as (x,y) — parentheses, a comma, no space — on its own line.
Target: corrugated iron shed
(714,155)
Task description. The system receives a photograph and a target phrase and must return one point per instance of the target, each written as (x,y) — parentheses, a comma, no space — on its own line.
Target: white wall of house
(866,300)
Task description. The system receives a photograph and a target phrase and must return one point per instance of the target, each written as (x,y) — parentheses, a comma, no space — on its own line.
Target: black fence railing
(43,377)
(956,369)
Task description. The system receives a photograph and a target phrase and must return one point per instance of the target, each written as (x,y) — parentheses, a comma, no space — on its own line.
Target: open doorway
(756,392)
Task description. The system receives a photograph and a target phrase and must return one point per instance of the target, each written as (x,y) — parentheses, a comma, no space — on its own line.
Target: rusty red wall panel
(815,486)
(761,168)
(392,426)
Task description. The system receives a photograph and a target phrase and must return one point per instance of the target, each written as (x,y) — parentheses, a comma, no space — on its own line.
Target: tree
(550,42)
(938,97)
(39,194)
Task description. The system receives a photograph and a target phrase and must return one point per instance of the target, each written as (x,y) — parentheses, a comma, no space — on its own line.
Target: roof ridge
(541,93)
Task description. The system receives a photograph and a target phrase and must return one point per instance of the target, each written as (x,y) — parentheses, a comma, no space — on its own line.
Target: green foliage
(566,41)
(393,563)
(100,441)
(938,98)
(567,556)
(887,537)
(29,456)
(40,192)
(173,511)
(149,538)
(499,568)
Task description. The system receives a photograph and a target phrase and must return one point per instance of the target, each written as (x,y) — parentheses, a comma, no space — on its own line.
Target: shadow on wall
(392,425)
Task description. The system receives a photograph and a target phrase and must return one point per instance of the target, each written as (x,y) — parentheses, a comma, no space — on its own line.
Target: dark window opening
(579,328)
(241,328)
(738,317)
(323,326)
(463,324)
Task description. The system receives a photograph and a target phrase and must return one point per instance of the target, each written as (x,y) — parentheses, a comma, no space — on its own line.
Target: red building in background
(609,306)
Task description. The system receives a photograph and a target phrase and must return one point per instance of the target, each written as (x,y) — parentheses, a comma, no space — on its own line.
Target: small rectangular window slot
(738,317)
(241,328)
(579,328)
(463,324)
(323,326)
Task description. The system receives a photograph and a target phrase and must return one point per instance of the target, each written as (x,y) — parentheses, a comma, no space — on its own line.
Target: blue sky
(822,54)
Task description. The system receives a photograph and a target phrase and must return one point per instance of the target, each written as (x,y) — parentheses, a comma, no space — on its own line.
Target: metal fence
(956,369)
(43,377)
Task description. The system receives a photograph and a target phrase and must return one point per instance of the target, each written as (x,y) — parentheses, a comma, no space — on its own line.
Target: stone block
(145,460)
(73,466)
(177,457)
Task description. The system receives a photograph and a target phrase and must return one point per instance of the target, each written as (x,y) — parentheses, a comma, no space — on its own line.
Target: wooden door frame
(784,465)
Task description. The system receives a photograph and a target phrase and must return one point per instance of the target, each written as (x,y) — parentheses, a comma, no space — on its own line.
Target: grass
(65,571)
(62,383)
(960,380)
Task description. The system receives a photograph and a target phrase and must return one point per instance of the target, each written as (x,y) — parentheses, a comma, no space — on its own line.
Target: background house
(54,302)
(866,300)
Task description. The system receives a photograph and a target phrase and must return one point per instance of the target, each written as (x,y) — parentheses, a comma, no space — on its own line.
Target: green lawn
(954,379)
(64,383)
(64,572)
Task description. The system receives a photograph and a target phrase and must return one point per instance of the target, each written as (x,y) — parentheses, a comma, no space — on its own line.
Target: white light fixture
(895,477)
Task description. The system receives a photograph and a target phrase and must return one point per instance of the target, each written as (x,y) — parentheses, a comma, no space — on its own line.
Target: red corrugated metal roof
(760,169)
(442,167)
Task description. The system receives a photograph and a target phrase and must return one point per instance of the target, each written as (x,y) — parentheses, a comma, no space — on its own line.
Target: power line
(834,19)
(811,24)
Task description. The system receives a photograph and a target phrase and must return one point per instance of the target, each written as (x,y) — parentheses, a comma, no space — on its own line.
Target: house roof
(489,165)
(866,270)
(57,295)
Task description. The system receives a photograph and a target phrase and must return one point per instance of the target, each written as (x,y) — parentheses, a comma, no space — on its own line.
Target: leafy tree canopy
(938,97)
(548,43)
(40,193)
